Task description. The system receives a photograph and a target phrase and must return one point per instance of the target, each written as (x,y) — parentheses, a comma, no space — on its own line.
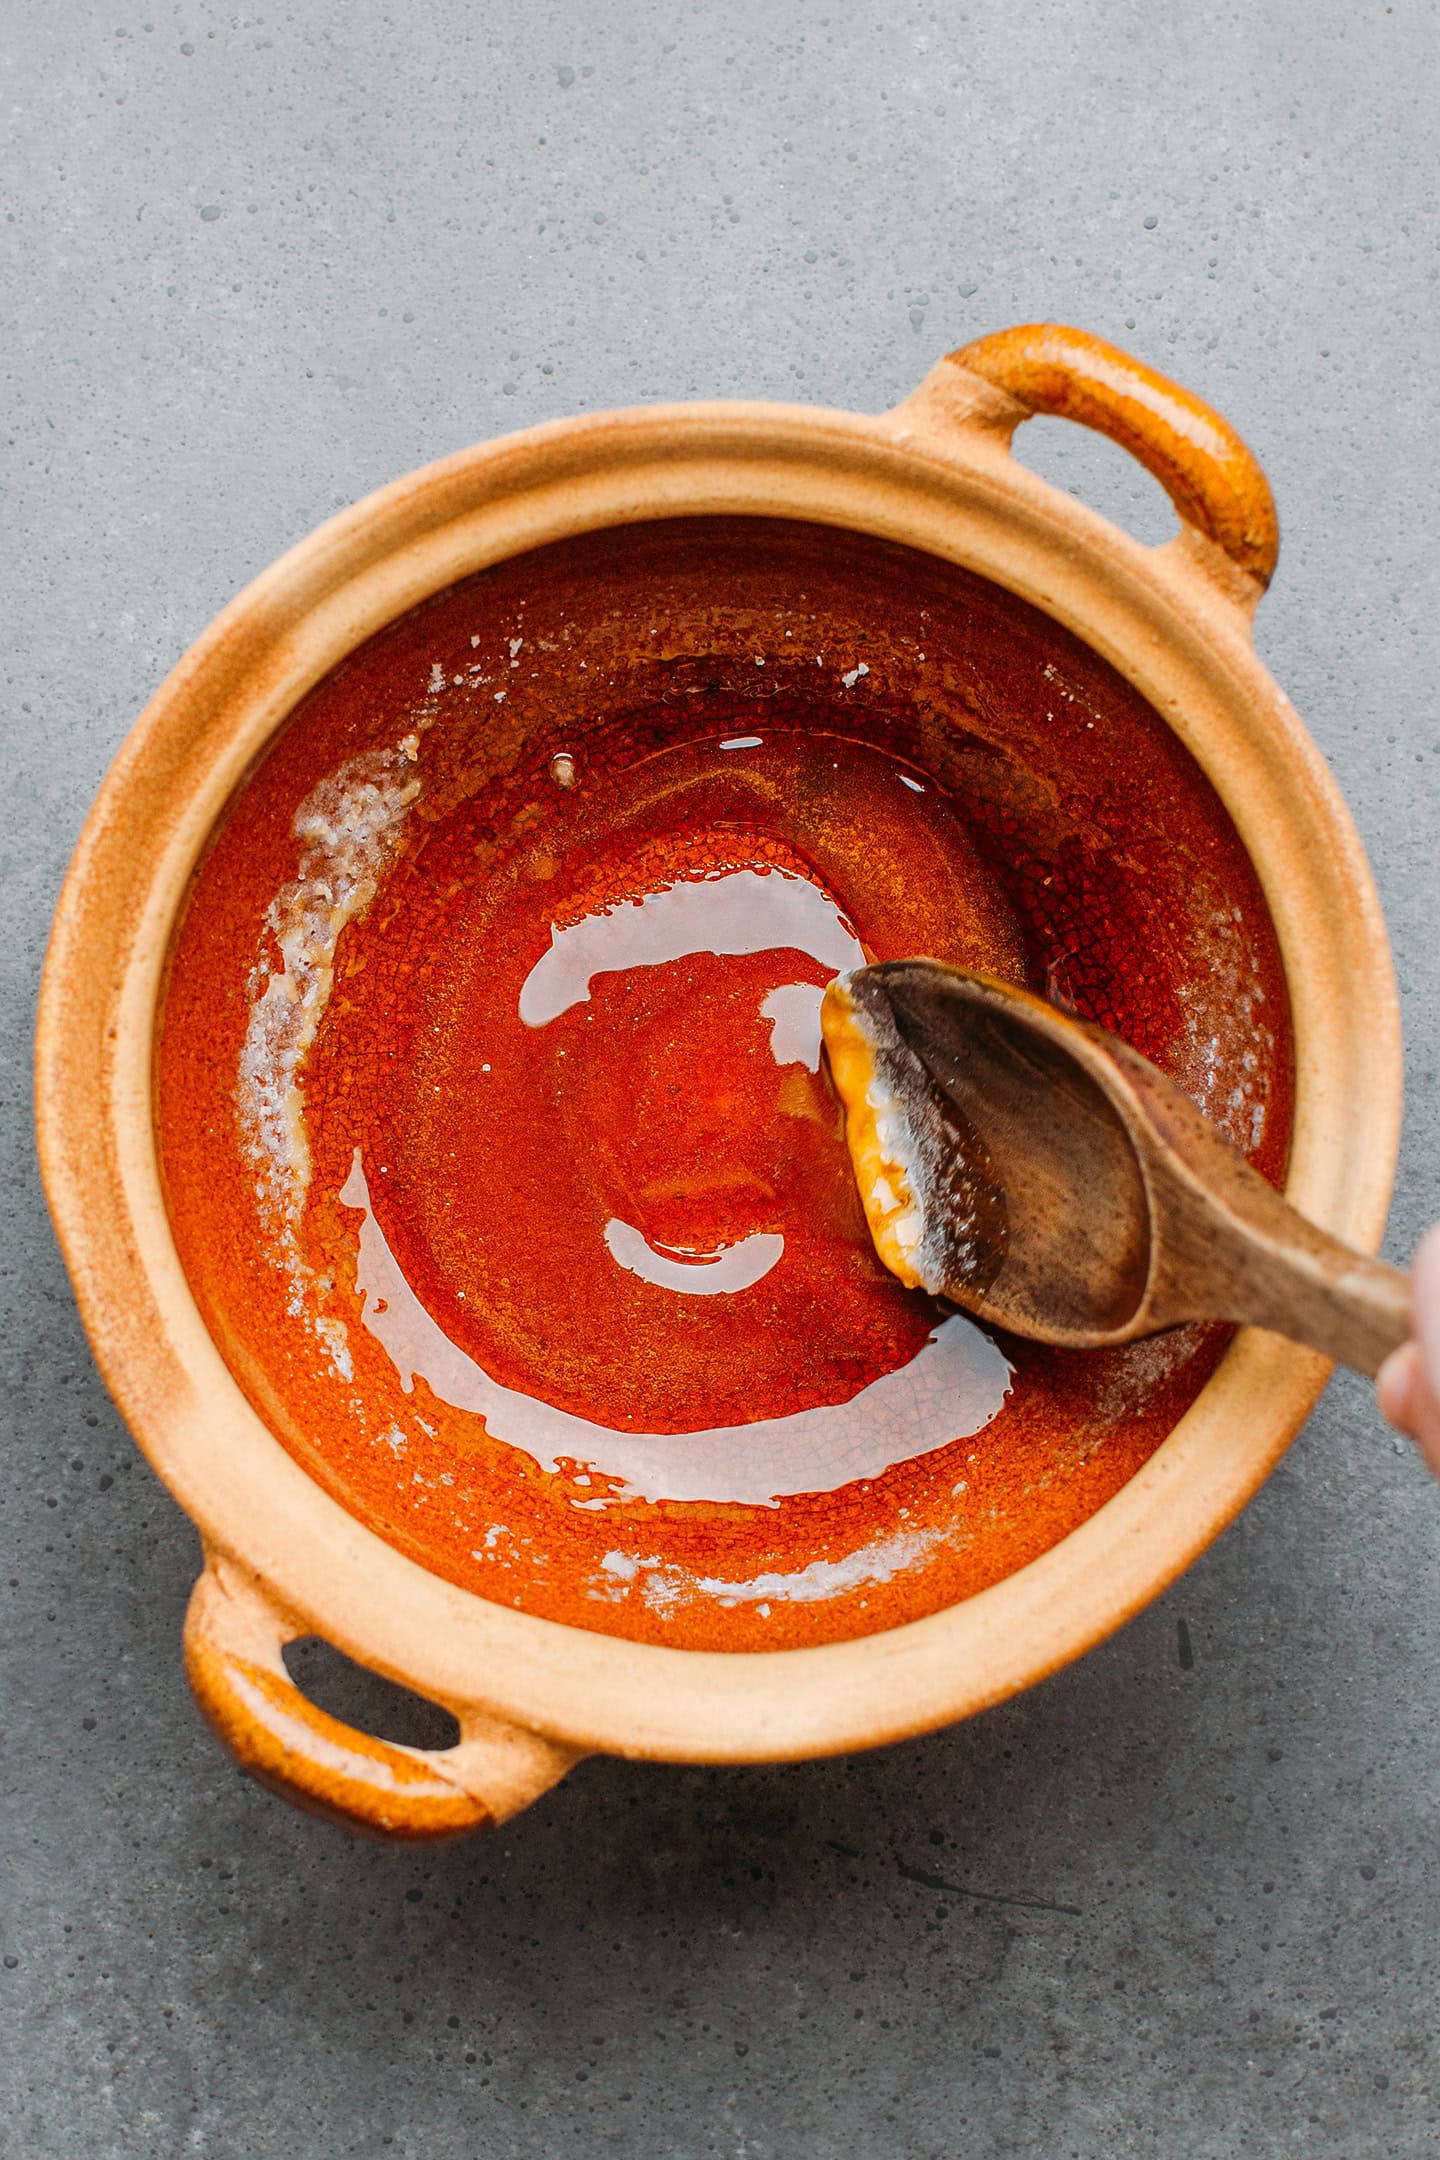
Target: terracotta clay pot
(284,1557)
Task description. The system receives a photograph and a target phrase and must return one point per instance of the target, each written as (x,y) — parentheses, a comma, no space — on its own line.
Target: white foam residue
(335,1336)
(875,1563)
(624,1565)
(663,1585)
(348,827)
(1226,1076)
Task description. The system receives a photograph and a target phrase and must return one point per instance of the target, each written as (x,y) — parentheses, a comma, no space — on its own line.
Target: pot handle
(233,1639)
(1213,479)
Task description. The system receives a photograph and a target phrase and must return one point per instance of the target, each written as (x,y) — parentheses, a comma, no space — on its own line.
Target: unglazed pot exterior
(283,1557)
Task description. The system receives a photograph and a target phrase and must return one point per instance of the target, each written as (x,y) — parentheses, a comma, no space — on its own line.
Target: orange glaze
(504,1167)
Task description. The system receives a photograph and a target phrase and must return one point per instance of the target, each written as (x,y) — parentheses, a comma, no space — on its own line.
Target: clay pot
(283,1557)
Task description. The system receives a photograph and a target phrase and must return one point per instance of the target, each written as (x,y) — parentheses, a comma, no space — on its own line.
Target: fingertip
(1426,1268)
(1396,1386)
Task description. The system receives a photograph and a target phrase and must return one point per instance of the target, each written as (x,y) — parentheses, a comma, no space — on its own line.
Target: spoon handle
(1320,1292)
(1235,1249)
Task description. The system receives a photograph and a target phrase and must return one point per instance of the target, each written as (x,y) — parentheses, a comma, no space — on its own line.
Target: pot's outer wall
(937,474)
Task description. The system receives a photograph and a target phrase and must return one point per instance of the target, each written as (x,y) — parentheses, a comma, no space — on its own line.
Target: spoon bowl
(1056,1184)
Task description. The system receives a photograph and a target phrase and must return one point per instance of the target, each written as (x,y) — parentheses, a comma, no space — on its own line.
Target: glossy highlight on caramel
(516,940)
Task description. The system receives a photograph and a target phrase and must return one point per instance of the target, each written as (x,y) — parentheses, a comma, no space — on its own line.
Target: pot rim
(936,474)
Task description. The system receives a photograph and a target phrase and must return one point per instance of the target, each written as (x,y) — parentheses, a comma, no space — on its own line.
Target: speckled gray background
(255,264)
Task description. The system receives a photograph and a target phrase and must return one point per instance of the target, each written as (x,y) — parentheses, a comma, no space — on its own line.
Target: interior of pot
(497,1145)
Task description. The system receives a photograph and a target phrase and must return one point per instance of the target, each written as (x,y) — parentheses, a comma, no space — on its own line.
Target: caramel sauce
(500,1151)
(586,1090)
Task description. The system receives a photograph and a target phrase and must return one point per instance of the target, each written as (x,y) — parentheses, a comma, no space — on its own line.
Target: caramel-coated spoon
(1046,1177)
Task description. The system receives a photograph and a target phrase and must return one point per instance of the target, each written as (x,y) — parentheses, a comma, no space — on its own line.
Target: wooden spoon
(1045,1176)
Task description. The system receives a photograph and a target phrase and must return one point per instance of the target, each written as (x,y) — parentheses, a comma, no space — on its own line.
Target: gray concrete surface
(1181,1900)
